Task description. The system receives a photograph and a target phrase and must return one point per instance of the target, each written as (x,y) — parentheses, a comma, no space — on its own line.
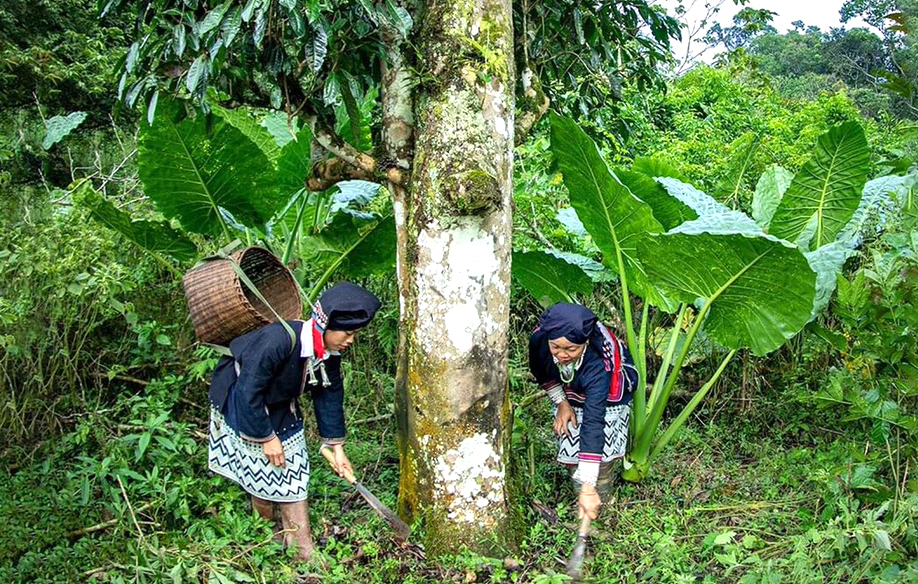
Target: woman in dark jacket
(256,428)
(590,376)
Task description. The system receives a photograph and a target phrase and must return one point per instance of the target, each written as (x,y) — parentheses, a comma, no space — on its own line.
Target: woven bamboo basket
(222,307)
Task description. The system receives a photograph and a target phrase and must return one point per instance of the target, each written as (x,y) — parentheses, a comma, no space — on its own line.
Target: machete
(576,560)
(401,528)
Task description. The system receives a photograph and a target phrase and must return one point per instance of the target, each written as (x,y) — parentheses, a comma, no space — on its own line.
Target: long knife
(576,560)
(401,528)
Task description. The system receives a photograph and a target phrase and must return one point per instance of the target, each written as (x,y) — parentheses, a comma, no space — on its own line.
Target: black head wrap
(574,322)
(345,307)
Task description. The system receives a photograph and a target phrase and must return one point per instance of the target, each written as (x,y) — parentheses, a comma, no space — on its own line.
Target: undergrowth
(124,496)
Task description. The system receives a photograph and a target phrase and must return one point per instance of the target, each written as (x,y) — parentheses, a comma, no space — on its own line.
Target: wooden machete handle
(584,525)
(330,457)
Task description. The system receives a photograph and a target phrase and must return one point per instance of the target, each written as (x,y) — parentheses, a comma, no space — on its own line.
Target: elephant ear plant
(703,266)
(715,273)
(240,174)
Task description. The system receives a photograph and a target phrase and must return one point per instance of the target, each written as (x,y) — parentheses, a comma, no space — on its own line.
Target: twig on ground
(103,525)
(378,418)
(255,546)
(131,510)
(121,377)
(752,505)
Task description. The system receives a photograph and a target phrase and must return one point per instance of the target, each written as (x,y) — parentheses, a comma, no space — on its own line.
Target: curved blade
(576,560)
(575,563)
(400,527)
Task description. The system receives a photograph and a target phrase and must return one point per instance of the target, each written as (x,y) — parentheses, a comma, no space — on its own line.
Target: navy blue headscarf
(345,307)
(574,322)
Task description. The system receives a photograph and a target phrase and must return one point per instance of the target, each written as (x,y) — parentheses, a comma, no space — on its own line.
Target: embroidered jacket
(265,377)
(595,384)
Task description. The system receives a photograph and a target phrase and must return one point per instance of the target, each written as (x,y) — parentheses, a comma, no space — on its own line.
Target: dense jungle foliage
(797,466)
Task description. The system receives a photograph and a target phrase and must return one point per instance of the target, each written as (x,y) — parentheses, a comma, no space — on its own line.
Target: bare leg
(264,507)
(295,521)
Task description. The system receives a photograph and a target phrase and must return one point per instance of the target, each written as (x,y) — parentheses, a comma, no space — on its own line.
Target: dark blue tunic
(261,402)
(591,387)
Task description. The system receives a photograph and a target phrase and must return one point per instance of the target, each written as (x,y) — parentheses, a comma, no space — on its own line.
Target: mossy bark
(454,271)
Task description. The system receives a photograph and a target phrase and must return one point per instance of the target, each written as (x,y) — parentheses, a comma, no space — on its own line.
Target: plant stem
(644,439)
(676,424)
(294,234)
(663,372)
(640,394)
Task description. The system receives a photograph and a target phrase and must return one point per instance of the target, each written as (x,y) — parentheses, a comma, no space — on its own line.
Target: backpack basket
(223,307)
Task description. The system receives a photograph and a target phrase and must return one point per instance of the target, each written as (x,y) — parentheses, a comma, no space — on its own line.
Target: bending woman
(256,427)
(590,376)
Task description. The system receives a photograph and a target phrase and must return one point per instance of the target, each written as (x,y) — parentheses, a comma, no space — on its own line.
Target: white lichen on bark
(471,479)
(457,269)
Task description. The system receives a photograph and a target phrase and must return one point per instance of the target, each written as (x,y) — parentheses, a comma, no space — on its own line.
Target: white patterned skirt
(244,462)
(615,430)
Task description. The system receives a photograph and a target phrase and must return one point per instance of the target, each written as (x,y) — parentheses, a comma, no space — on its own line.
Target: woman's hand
(588,501)
(341,464)
(565,414)
(274,450)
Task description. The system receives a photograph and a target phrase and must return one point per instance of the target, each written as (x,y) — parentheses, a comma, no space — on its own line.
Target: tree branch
(349,162)
(334,170)
(337,146)
(534,104)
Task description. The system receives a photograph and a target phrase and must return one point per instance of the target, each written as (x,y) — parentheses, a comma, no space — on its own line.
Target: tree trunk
(454,223)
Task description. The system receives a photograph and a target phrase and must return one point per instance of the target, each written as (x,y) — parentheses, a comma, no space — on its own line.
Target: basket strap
(219,349)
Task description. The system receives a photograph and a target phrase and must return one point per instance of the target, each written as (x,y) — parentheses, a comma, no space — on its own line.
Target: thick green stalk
(676,424)
(645,438)
(626,300)
(663,372)
(293,236)
(320,283)
(640,359)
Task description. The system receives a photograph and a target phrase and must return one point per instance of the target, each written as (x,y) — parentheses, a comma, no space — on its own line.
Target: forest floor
(125,496)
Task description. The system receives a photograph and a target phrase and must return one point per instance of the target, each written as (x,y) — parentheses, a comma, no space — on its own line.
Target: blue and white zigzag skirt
(615,434)
(244,462)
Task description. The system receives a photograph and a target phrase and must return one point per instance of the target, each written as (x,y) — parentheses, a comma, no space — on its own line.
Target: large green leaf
(758,290)
(358,246)
(595,270)
(549,278)
(768,193)
(615,218)
(151,235)
(192,170)
(825,192)
(57,128)
(294,162)
(567,216)
(668,210)
(711,215)
(742,151)
(281,128)
(244,120)
(655,167)
(827,262)
(351,196)
(881,204)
